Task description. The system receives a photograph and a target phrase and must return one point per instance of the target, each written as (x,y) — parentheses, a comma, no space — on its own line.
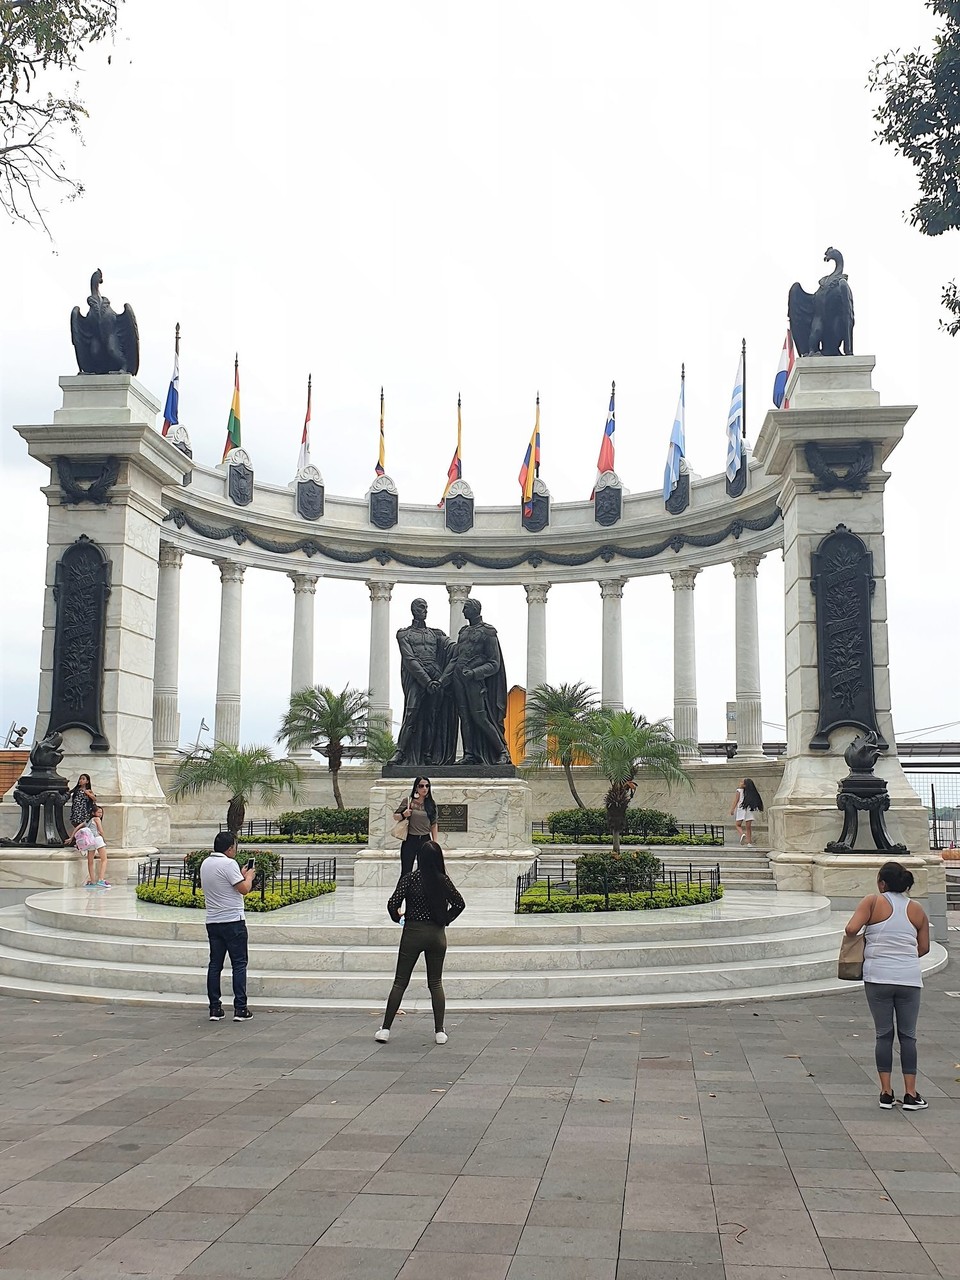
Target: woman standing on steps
(431,902)
(421,814)
(746,803)
(82,805)
(896,935)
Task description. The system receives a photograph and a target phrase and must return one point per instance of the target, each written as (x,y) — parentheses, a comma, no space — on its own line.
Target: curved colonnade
(266,531)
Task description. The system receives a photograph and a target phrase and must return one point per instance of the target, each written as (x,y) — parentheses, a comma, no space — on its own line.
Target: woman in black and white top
(421,814)
(430,903)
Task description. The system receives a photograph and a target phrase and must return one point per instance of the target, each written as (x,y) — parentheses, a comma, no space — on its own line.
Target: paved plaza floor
(728,1143)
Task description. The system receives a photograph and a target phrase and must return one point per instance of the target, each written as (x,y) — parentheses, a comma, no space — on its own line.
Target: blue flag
(678,446)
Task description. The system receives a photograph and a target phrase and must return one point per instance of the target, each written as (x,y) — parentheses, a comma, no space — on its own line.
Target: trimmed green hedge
(267,864)
(593,822)
(340,822)
(271,901)
(534,901)
(629,871)
(318,837)
(544,837)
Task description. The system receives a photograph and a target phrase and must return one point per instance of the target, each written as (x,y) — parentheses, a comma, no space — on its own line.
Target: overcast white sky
(493,199)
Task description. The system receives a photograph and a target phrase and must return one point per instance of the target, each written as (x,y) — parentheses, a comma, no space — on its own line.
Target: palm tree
(555,726)
(325,721)
(381,744)
(246,772)
(622,744)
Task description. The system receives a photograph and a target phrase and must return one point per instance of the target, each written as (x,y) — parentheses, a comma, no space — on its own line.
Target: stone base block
(845,878)
(495,812)
(467,868)
(24,870)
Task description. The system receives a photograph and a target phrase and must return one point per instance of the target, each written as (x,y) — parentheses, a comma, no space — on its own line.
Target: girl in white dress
(746,804)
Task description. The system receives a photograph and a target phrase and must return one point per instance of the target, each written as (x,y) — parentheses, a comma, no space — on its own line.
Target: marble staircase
(339,952)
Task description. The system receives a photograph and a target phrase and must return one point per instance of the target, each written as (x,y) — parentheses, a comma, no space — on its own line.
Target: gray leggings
(887,1000)
(431,940)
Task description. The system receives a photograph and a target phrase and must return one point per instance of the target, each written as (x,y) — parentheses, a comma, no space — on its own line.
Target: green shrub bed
(535,901)
(546,837)
(271,900)
(593,822)
(318,837)
(340,822)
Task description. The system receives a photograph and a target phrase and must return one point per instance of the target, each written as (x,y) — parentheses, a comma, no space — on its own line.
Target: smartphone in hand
(250,865)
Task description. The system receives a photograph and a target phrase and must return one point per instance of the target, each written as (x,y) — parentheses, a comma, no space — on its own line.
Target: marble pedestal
(490,854)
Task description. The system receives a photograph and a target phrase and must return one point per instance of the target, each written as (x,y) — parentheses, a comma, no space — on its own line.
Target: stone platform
(339,952)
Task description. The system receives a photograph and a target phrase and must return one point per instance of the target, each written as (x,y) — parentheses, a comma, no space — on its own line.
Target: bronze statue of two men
(451,687)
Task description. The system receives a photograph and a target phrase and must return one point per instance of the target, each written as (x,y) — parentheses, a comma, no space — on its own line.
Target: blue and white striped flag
(735,426)
(678,446)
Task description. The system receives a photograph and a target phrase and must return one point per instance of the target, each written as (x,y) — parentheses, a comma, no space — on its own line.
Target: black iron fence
(666,880)
(288,874)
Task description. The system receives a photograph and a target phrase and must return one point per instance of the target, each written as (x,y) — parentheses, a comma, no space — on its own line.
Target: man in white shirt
(224,887)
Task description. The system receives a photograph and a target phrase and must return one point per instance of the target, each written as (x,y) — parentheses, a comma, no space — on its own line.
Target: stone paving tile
(477,1266)
(470,1237)
(530,1268)
(258,1261)
(670,1246)
(183,1226)
(90,1222)
(374,1233)
(882,1226)
(886,1256)
(37,1252)
(148,1256)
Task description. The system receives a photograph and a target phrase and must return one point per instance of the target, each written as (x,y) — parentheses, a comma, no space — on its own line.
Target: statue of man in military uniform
(479,685)
(428,734)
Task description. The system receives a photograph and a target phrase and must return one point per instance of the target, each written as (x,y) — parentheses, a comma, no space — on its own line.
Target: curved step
(19,933)
(494,1003)
(322,921)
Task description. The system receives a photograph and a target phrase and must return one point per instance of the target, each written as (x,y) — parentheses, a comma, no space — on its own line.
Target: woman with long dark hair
(421,814)
(430,903)
(83,802)
(746,804)
(896,934)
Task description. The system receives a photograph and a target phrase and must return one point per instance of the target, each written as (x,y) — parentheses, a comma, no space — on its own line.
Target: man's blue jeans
(228,938)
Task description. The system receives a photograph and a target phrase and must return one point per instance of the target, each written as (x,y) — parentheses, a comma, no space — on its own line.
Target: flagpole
(176,340)
(536,459)
(743,357)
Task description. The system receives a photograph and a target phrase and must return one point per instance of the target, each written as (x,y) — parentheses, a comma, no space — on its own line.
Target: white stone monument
(828,452)
(106,417)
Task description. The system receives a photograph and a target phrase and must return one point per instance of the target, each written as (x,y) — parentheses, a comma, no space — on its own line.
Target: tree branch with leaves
(37,36)
(920,118)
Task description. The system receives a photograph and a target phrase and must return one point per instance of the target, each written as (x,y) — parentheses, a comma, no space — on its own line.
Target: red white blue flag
(171,410)
(787,361)
(605,461)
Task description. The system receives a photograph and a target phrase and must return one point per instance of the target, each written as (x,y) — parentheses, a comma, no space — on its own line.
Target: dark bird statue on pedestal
(104,341)
(822,322)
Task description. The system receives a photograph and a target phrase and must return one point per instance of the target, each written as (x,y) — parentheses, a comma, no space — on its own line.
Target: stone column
(749,715)
(458,594)
(379,683)
(166,714)
(611,670)
(536,643)
(301,669)
(226,725)
(685,724)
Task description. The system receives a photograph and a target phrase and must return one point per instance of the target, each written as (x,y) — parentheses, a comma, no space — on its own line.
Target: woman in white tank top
(896,934)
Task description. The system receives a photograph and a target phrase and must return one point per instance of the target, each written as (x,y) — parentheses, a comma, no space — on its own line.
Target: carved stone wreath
(100,473)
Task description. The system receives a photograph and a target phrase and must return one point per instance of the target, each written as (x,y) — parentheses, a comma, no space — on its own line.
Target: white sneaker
(441,1037)
(382,1036)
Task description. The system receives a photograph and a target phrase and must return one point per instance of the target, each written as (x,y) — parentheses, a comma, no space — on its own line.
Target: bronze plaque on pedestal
(451,817)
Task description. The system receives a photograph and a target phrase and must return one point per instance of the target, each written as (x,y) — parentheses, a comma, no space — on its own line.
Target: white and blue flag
(171,410)
(678,446)
(735,426)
